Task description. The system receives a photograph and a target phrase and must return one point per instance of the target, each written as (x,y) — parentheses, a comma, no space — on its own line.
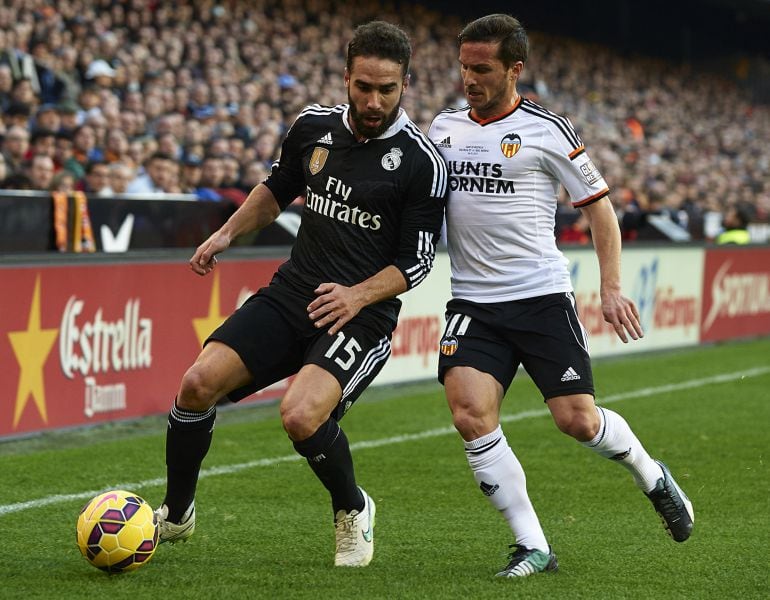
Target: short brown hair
(514,44)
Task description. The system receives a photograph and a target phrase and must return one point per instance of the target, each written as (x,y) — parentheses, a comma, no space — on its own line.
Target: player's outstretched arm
(257,211)
(619,311)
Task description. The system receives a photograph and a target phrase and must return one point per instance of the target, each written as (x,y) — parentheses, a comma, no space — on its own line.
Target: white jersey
(504,182)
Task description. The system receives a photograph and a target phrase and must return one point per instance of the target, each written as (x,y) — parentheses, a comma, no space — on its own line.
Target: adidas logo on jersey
(445,143)
(327,139)
(570,375)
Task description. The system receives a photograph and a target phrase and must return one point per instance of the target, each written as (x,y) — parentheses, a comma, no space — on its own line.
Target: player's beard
(368,131)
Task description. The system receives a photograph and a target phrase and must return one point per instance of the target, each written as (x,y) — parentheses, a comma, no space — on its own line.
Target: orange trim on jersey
(576,152)
(591,199)
(496,117)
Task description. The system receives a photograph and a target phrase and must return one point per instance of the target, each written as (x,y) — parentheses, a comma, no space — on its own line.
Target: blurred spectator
(191,174)
(231,175)
(15,146)
(69,115)
(735,222)
(84,148)
(168,144)
(577,231)
(63,155)
(141,148)
(172,181)
(40,170)
(68,73)
(47,117)
(3,169)
(253,173)
(17,113)
(97,178)
(49,87)
(63,181)
(266,148)
(18,181)
(43,141)
(154,178)
(116,146)
(120,176)
(6,84)
(23,94)
(100,73)
(211,179)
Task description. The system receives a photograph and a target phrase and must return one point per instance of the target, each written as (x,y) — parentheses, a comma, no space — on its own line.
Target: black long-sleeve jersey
(368,204)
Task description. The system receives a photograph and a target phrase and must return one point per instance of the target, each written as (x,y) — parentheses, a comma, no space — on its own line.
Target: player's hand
(204,260)
(335,305)
(622,314)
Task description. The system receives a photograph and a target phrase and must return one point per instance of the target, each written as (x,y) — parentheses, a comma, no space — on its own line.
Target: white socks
(501,478)
(617,442)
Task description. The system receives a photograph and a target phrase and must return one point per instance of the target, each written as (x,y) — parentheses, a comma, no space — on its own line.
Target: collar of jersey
(496,118)
(397,126)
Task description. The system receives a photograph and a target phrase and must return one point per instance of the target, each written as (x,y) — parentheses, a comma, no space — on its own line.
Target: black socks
(188,438)
(328,453)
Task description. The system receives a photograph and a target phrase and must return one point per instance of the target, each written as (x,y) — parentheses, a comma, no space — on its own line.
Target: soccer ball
(117,531)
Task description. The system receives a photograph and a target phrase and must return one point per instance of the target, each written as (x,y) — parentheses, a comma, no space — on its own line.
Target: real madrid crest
(510,144)
(392,160)
(318,159)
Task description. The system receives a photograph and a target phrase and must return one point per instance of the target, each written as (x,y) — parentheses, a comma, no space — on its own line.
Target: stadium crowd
(140,96)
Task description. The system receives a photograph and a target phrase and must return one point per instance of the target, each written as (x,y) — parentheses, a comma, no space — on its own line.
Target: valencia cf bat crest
(510,144)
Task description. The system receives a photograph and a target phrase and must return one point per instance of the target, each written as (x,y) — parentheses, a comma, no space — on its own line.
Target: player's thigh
(472,339)
(554,346)
(354,357)
(217,370)
(266,339)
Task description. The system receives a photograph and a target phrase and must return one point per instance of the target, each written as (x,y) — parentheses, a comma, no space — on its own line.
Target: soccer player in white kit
(512,301)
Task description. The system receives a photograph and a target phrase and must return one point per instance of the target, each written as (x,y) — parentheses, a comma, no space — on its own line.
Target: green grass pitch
(265,524)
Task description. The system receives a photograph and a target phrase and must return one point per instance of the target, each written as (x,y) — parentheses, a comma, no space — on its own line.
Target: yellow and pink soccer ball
(117,531)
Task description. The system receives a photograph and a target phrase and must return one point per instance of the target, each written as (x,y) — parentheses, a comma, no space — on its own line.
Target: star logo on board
(205,325)
(32,348)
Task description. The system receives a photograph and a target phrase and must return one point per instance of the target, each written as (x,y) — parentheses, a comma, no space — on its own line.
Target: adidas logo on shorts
(570,375)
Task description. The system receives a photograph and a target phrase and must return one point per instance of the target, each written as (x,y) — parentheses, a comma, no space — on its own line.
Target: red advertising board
(88,343)
(736,293)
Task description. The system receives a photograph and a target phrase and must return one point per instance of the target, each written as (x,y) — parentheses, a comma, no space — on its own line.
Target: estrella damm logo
(510,144)
(449,345)
(318,160)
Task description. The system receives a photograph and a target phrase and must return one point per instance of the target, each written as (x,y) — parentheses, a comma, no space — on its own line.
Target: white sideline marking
(6,509)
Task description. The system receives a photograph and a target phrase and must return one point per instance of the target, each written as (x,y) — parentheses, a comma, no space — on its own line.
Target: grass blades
(265,523)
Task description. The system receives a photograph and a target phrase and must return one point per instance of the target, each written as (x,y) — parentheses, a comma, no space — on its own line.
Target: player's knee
(579,424)
(298,423)
(195,391)
(469,424)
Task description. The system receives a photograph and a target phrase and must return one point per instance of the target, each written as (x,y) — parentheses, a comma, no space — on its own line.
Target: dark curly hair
(383,40)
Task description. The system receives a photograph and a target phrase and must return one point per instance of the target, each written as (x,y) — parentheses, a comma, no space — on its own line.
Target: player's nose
(374,101)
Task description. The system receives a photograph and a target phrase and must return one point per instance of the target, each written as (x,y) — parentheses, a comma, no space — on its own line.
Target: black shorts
(274,337)
(544,334)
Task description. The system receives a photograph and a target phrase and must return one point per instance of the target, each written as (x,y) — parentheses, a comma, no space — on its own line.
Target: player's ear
(407,79)
(347,78)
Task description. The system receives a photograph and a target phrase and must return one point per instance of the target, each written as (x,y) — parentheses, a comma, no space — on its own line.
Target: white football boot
(175,532)
(354,532)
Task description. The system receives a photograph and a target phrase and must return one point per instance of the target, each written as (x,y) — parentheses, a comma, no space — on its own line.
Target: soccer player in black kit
(374,189)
